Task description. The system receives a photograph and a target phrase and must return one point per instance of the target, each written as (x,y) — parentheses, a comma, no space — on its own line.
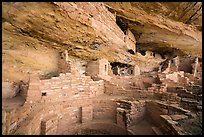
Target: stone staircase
(191,96)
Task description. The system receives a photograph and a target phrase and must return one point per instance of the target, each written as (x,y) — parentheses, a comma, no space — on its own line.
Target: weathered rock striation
(102,68)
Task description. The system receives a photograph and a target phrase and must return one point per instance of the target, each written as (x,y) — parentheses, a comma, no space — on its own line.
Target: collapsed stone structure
(102,103)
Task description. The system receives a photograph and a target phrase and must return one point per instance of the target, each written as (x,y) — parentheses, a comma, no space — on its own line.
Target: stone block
(178,117)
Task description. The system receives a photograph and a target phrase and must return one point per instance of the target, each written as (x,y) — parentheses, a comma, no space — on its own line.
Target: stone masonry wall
(70,117)
(60,117)
(33,93)
(92,68)
(103,66)
(104,110)
(68,85)
(137,113)
(49,125)
(44,107)
(157,108)
(99,67)
(130,113)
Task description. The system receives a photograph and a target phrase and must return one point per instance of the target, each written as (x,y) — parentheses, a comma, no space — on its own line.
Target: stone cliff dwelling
(101,68)
(124,69)
(129,37)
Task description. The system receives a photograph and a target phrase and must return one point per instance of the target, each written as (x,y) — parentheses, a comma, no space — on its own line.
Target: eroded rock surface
(101,68)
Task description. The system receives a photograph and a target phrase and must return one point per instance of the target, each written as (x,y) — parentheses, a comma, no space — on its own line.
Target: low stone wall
(130,113)
(104,110)
(110,89)
(49,125)
(169,123)
(109,128)
(190,96)
(137,113)
(168,97)
(166,116)
(59,118)
(157,108)
(70,117)
(68,86)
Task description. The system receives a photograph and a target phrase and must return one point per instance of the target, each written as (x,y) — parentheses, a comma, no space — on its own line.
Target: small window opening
(105,67)
(44,94)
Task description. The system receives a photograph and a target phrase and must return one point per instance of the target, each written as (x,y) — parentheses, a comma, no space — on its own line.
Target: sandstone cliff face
(34,33)
(39,28)
(161,25)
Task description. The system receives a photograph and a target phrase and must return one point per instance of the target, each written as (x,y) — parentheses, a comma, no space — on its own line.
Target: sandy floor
(143,128)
